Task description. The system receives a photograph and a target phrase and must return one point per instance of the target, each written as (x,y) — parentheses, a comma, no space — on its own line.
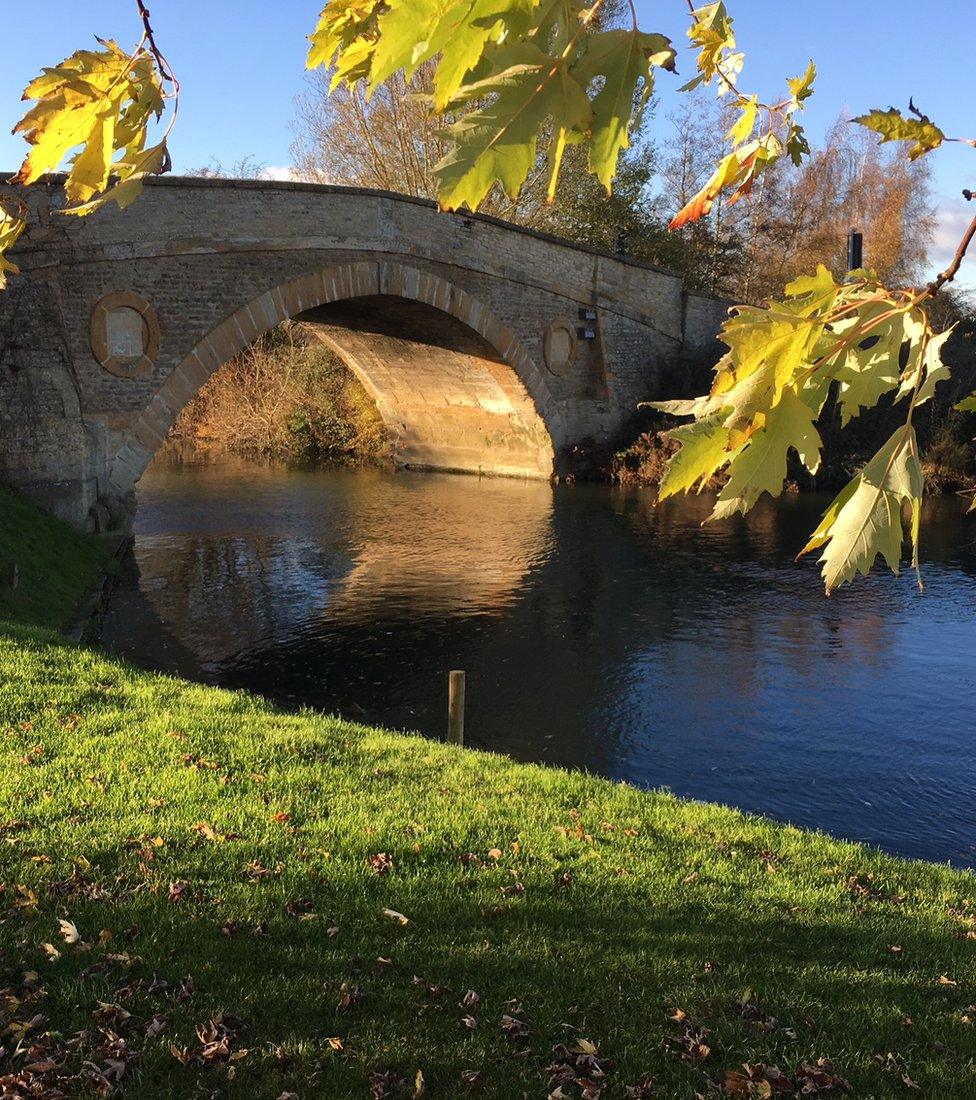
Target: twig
(950,272)
(166,73)
(164,67)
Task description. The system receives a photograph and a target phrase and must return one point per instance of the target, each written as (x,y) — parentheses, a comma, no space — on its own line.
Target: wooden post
(455,707)
(13,576)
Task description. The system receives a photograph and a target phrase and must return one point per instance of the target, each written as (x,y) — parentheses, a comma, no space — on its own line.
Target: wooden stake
(455,707)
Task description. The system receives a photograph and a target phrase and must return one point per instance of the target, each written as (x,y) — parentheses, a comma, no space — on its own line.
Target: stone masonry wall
(206,253)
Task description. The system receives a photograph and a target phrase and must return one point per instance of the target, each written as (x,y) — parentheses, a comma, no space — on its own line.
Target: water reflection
(596,629)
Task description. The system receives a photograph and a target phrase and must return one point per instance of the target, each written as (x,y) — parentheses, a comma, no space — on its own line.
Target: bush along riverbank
(202,894)
(287,398)
(945,435)
(948,459)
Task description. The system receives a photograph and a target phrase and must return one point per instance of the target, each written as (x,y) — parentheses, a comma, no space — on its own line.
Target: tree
(509,72)
(624,220)
(803,217)
(712,258)
(391,141)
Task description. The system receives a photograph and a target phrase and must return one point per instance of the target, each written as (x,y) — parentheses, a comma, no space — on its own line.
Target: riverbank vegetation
(202,893)
(945,434)
(286,397)
(45,568)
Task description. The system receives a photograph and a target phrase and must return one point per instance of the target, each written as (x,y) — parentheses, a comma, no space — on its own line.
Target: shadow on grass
(302,962)
(218,856)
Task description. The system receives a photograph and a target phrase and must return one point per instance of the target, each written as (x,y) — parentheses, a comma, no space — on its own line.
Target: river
(597,631)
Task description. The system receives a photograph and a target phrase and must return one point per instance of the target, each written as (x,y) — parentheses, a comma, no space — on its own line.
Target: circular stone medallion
(124,334)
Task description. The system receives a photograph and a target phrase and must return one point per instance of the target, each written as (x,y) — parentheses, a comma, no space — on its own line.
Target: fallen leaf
(381,863)
(156,1026)
(514,1028)
(392,914)
(69,931)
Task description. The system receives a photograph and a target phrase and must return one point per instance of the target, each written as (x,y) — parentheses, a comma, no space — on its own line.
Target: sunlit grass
(588,910)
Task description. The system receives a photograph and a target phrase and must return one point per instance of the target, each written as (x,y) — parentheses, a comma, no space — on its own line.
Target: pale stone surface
(126,333)
(442,317)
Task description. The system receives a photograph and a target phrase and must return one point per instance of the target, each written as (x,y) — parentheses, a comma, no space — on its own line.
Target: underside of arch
(455,386)
(448,398)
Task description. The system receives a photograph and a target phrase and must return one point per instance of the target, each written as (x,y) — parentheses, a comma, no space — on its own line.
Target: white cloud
(951,219)
(277,172)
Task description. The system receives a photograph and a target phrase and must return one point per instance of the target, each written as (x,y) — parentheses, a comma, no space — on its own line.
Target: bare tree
(711,255)
(851,182)
(390,141)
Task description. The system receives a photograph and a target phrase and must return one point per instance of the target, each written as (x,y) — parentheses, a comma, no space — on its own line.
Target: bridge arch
(454,385)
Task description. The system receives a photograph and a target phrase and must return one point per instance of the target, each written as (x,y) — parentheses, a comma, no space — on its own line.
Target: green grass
(159,816)
(55,564)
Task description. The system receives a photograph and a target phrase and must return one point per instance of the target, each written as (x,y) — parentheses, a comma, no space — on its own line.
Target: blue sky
(241,67)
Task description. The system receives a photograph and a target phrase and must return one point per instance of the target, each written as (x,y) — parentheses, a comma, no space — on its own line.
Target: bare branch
(950,272)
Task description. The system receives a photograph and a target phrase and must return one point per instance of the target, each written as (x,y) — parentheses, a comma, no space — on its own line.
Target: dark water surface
(596,629)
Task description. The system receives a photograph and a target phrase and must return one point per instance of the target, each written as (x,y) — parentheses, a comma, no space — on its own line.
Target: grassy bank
(206,896)
(54,566)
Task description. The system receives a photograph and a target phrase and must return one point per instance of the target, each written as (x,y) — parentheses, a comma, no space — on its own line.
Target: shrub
(285,397)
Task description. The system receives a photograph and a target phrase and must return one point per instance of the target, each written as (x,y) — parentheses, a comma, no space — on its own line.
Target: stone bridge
(487,348)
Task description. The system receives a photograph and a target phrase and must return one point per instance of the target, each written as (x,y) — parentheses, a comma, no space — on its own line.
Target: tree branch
(950,272)
(165,71)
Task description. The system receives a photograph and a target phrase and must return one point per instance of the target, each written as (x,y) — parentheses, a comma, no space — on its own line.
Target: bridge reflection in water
(596,630)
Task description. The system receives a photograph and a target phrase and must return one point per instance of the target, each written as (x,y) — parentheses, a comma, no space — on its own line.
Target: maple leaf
(743,127)
(623,58)
(869,367)
(457,31)
(712,33)
(704,451)
(88,108)
(498,141)
(930,363)
(761,465)
(69,931)
(339,25)
(801,87)
(865,519)
(892,125)
(736,172)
